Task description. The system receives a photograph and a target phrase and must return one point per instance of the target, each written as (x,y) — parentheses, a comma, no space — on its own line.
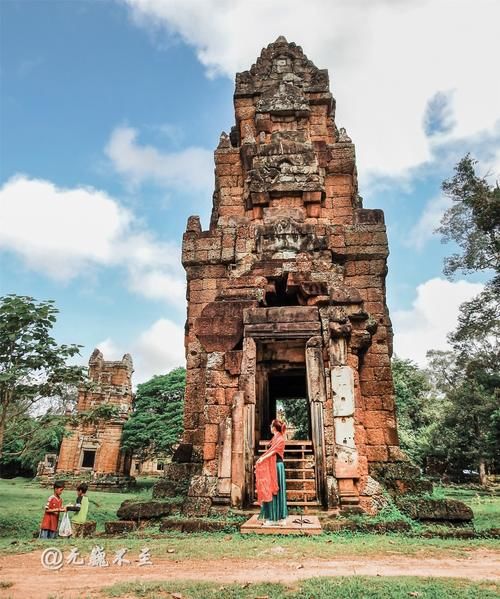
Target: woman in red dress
(270,479)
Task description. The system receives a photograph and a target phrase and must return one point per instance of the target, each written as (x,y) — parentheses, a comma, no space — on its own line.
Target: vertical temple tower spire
(286,300)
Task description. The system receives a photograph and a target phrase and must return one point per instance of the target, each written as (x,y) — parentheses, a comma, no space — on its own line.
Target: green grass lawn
(484,504)
(22,502)
(353,587)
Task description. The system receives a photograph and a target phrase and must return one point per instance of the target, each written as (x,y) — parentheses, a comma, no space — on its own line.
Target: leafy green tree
(33,367)
(472,387)
(156,423)
(418,408)
(468,432)
(296,411)
(28,439)
(477,336)
(472,221)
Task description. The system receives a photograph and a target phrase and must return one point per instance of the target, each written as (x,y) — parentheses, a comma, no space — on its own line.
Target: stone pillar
(248,369)
(225,453)
(346,454)
(237,461)
(316,392)
(249,451)
(248,387)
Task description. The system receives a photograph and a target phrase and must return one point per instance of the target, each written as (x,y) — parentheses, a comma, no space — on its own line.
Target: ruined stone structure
(286,298)
(92,449)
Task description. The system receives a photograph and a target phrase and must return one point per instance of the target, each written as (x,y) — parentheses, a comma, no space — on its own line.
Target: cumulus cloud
(59,231)
(388,62)
(157,350)
(191,167)
(432,316)
(63,233)
(429,221)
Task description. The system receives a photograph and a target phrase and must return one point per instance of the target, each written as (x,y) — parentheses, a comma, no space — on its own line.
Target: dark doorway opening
(288,400)
(88,459)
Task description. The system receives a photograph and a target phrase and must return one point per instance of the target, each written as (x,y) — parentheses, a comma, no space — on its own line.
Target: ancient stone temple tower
(93,447)
(286,299)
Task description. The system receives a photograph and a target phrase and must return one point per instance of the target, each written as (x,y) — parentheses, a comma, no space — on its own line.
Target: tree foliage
(28,439)
(296,411)
(415,408)
(472,221)
(156,423)
(33,367)
(468,377)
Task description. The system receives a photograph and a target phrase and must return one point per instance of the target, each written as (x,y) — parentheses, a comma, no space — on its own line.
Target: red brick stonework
(286,292)
(94,448)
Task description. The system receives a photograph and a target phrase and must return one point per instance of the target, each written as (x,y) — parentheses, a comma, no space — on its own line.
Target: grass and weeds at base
(387,515)
(217,545)
(353,587)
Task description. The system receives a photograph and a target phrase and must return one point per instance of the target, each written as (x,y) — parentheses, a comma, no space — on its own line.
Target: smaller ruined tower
(93,448)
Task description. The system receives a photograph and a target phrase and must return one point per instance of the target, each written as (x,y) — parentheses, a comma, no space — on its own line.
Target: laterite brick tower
(286,299)
(93,448)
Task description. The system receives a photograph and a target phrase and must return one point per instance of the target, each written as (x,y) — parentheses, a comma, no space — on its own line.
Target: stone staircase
(300,472)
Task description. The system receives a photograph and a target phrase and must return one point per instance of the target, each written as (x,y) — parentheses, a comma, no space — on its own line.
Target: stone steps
(300,473)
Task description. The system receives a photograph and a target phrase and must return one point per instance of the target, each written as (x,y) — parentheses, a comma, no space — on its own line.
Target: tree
(418,408)
(33,366)
(156,423)
(296,411)
(477,336)
(468,433)
(27,440)
(472,221)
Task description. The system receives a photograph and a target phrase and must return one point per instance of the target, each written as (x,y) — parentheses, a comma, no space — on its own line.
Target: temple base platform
(295,525)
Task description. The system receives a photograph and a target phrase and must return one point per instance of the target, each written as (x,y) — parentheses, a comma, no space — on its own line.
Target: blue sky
(110,112)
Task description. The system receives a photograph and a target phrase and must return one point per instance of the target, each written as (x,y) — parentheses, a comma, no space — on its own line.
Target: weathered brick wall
(287,229)
(110,384)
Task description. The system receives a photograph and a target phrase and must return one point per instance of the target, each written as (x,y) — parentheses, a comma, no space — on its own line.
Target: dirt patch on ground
(30,579)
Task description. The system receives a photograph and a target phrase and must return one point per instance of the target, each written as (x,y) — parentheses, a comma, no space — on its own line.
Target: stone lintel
(284,314)
(283,330)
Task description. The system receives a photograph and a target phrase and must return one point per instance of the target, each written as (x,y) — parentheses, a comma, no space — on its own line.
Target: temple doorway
(283,394)
(288,401)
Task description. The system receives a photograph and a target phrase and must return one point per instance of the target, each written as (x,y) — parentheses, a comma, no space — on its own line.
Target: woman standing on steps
(270,479)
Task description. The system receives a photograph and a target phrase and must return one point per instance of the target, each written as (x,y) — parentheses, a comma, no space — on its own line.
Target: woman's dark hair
(279,425)
(83,487)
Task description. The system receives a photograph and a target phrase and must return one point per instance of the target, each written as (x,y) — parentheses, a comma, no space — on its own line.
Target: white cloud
(191,167)
(157,350)
(429,220)
(110,350)
(432,316)
(63,233)
(59,231)
(387,61)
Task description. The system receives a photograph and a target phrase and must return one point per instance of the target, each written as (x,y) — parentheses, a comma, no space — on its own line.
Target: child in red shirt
(50,520)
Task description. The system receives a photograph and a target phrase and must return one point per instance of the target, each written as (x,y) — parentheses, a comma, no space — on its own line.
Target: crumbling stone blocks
(119,527)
